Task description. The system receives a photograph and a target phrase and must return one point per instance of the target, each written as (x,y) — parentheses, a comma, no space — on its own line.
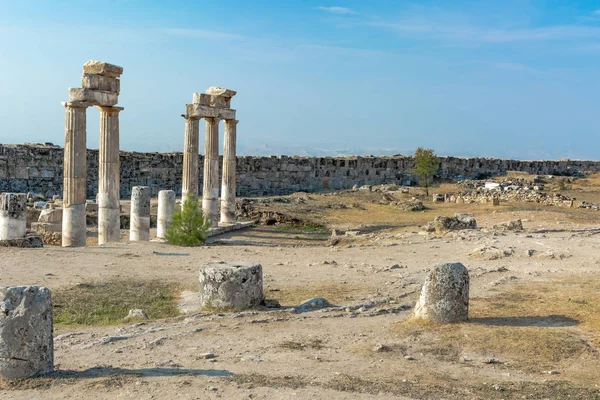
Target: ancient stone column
(166,204)
(190,157)
(229,176)
(75,174)
(109,176)
(237,285)
(13,218)
(139,228)
(26,322)
(210,191)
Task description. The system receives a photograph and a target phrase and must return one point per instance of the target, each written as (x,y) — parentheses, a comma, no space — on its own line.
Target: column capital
(232,121)
(75,104)
(212,120)
(110,110)
(190,117)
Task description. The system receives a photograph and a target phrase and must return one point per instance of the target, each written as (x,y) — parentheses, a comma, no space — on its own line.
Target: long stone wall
(38,168)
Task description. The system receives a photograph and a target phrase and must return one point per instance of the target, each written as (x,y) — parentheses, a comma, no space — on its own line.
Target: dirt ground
(533,332)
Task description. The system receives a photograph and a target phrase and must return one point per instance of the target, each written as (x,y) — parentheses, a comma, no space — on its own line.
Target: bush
(188,226)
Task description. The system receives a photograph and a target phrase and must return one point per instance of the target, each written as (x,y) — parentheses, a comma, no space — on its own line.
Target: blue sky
(517,79)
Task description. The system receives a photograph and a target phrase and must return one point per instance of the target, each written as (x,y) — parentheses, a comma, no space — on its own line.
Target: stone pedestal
(139,228)
(229,172)
(166,204)
(190,157)
(75,174)
(445,294)
(26,342)
(13,215)
(237,285)
(210,191)
(109,174)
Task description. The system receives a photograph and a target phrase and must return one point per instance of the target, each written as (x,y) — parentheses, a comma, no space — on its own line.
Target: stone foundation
(237,285)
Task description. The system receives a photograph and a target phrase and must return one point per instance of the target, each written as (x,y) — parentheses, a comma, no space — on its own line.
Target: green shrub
(188,226)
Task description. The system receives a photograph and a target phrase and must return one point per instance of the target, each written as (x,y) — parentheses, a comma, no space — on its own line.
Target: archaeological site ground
(322,278)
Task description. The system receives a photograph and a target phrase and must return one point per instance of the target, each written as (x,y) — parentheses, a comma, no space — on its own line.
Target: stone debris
(445,294)
(515,225)
(237,285)
(458,222)
(135,314)
(31,240)
(490,253)
(313,304)
(26,310)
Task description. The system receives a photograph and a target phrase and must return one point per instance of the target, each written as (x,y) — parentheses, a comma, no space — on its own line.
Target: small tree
(188,226)
(426,164)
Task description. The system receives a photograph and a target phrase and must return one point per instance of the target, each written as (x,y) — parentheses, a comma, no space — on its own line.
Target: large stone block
(211,100)
(445,294)
(96,97)
(99,82)
(102,68)
(51,215)
(237,285)
(219,91)
(26,342)
(201,111)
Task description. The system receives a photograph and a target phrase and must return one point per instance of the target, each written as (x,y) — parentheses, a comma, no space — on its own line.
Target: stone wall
(38,168)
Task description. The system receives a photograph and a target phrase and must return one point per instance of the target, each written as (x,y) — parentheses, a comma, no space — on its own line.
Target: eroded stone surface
(26,344)
(13,218)
(455,223)
(445,294)
(102,68)
(140,214)
(236,285)
(96,97)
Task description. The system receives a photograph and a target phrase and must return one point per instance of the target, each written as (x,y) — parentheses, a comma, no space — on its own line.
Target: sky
(510,79)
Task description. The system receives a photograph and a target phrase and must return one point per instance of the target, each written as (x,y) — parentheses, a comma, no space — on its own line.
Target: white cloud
(338,10)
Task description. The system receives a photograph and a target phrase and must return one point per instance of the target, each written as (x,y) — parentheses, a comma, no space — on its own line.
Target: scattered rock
(135,314)
(380,348)
(313,304)
(515,225)
(490,253)
(457,222)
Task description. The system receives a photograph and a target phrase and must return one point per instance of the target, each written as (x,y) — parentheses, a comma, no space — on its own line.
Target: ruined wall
(38,168)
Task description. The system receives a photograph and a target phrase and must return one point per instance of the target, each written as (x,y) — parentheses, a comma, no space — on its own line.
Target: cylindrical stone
(74,176)
(229,175)
(210,191)
(139,228)
(190,157)
(236,285)
(109,174)
(166,204)
(13,215)
(445,294)
(26,341)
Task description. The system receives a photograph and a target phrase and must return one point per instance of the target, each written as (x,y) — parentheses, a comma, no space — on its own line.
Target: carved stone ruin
(236,285)
(100,87)
(445,294)
(213,106)
(26,342)
(13,209)
(166,204)
(139,229)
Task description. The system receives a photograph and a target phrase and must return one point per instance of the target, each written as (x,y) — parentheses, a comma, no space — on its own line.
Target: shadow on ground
(99,372)
(548,321)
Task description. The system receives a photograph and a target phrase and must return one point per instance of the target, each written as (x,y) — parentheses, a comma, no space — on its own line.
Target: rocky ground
(533,333)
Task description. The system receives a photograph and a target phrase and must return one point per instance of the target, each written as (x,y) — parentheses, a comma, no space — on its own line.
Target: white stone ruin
(213,106)
(166,205)
(237,285)
(13,210)
(26,322)
(139,218)
(100,87)
(445,294)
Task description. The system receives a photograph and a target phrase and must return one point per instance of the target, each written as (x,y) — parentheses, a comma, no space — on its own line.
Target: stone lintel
(219,91)
(200,111)
(76,104)
(95,97)
(102,68)
(212,100)
(100,82)
(109,109)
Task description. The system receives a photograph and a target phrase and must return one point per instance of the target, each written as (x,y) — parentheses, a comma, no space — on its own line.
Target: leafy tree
(426,165)
(188,226)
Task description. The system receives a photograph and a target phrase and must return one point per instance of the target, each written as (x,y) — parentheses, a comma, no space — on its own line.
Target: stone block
(99,82)
(211,100)
(219,91)
(96,97)
(445,294)
(51,215)
(201,111)
(46,227)
(91,206)
(237,285)
(26,323)
(102,68)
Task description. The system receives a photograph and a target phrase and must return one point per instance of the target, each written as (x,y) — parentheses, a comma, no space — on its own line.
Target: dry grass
(334,293)
(105,303)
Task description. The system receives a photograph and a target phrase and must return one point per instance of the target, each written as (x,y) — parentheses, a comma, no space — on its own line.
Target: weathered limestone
(139,229)
(75,174)
(109,174)
(102,68)
(13,215)
(166,204)
(445,294)
(229,175)
(190,157)
(202,111)
(99,82)
(96,97)
(26,342)
(210,191)
(236,285)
